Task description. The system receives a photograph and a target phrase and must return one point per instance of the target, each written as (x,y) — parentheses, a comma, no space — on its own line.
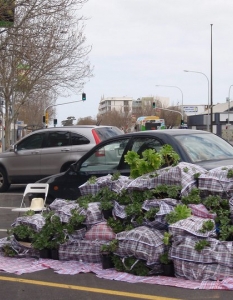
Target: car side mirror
(12,148)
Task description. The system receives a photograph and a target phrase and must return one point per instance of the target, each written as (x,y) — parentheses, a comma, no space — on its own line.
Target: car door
(56,152)
(25,160)
(106,158)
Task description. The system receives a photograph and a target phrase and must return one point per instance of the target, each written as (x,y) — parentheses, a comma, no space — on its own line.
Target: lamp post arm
(60,104)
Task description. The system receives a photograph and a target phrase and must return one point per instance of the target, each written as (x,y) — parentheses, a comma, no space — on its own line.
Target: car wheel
(4,183)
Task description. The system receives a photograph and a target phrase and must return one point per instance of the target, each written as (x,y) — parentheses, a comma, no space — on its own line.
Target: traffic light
(153,104)
(43,119)
(54,122)
(181,122)
(83,96)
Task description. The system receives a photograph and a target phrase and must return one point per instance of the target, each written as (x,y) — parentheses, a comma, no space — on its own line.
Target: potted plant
(22,233)
(106,196)
(9,251)
(52,234)
(180,212)
(75,222)
(107,252)
(167,264)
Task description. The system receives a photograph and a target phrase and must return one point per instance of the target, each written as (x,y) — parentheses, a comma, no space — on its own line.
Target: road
(48,284)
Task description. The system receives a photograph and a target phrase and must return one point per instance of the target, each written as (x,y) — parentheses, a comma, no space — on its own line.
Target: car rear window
(107,132)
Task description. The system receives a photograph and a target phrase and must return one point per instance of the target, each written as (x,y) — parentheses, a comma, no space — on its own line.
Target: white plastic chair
(37,204)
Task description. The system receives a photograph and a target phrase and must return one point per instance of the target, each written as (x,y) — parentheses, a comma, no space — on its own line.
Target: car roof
(169,132)
(72,127)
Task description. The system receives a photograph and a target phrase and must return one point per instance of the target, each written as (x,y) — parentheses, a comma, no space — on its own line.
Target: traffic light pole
(46,114)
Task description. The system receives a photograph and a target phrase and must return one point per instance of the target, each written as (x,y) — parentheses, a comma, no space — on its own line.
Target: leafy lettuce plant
(151,160)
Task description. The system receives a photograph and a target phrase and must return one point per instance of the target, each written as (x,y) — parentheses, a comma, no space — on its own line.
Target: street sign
(190,108)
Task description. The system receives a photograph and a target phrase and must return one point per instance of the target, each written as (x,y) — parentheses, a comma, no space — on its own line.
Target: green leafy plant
(105,196)
(51,235)
(110,247)
(116,225)
(164,258)
(115,176)
(207,226)
(164,190)
(180,212)
(151,213)
(230,173)
(84,200)
(186,169)
(131,265)
(9,251)
(170,157)
(29,213)
(192,198)
(167,238)
(200,245)
(151,160)
(92,180)
(22,231)
(75,221)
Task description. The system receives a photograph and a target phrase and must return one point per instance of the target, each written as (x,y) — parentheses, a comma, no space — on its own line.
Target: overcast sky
(138,44)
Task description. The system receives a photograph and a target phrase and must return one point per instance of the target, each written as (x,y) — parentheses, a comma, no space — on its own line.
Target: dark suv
(49,151)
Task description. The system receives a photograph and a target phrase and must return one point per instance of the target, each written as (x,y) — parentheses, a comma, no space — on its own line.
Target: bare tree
(42,56)
(87,121)
(121,120)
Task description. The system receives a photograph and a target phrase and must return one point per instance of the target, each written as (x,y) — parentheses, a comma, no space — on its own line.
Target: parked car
(193,146)
(49,151)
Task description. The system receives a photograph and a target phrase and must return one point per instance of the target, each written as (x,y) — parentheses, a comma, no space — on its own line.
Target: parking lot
(82,286)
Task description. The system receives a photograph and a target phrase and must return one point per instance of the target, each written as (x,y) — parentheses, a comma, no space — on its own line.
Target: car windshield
(202,147)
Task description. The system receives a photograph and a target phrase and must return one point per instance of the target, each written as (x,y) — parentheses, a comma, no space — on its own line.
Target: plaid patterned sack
(82,250)
(119,210)
(58,203)
(36,221)
(165,206)
(202,272)
(218,252)
(191,226)
(93,214)
(182,175)
(216,182)
(21,249)
(121,183)
(101,232)
(64,212)
(142,242)
(93,188)
(78,234)
(199,210)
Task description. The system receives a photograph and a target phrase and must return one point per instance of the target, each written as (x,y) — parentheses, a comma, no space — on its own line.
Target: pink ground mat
(20,266)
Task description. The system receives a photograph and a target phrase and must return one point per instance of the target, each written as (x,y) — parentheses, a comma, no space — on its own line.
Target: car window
(106,157)
(205,147)
(77,139)
(32,142)
(58,139)
(107,132)
(141,144)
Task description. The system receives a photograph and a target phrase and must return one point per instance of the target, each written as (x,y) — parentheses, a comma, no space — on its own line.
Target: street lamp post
(228,100)
(208,122)
(173,86)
